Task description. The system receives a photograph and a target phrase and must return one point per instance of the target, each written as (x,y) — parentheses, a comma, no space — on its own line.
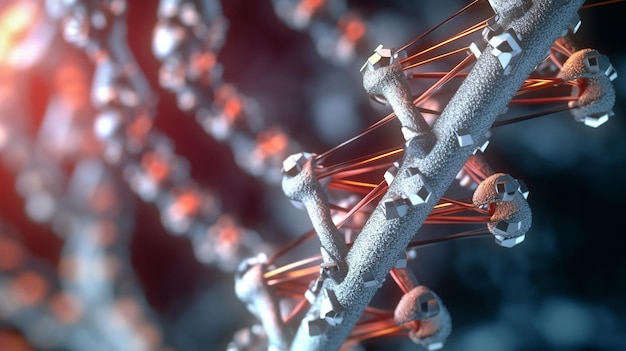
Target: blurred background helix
(111,242)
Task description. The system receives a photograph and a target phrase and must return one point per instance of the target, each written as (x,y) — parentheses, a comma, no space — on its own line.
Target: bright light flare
(15,22)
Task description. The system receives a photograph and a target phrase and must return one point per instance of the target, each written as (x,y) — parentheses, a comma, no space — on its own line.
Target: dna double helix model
(298,168)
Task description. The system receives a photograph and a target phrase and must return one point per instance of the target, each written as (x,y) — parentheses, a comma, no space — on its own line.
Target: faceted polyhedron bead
(505,47)
(369,281)
(421,197)
(314,288)
(507,228)
(523,188)
(317,326)
(464,138)
(594,121)
(476,49)
(382,57)
(596,62)
(293,163)
(506,187)
(391,172)
(419,303)
(509,242)
(395,207)
(402,260)
(428,305)
(330,309)
(574,24)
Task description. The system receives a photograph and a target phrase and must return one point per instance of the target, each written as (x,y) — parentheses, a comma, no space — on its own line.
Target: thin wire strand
(602,3)
(423,35)
(438,57)
(530,116)
(476,27)
(295,242)
(476,233)
(446,78)
(290,266)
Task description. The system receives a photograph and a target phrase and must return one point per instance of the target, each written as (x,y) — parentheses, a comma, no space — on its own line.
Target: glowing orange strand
(378,312)
(294,275)
(445,79)
(292,265)
(438,57)
(555,60)
(362,170)
(531,88)
(433,75)
(423,35)
(355,183)
(445,42)
(355,164)
(295,242)
(375,329)
(376,192)
(457,202)
(304,303)
(367,130)
(354,189)
(405,289)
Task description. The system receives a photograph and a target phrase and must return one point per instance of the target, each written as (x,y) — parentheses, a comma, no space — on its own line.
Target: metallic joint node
(506,187)
(483,146)
(330,309)
(418,144)
(427,304)
(329,270)
(391,172)
(423,194)
(510,10)
(418,304)
(476,49)
(493,28)
(402,260)
(411,253)
(297,204)
(395,208)
(382,57)
(370,282)
(293,164)
(509,242)
(250,262)
(379,98)
(413,172)
(317,326)
(464,138)
(573,26)
(595,62)
(596,120)
(408,133)
(506,229)
(523,188)
(505,47)
(435,346)
(314,288)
